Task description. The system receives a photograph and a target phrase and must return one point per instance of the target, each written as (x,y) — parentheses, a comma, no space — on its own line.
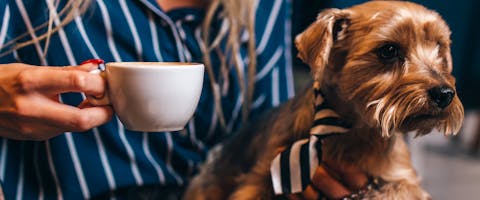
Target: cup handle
(99,100)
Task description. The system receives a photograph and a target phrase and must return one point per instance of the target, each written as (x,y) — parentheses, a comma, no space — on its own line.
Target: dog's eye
(388,52)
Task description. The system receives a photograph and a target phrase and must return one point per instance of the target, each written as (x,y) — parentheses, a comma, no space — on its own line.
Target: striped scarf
(293,168)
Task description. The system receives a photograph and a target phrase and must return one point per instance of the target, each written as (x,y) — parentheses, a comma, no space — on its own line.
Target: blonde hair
(239,15)
(71,9)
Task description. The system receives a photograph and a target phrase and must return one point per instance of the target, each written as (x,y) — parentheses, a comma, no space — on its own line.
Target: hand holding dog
(31,110)
(334,180)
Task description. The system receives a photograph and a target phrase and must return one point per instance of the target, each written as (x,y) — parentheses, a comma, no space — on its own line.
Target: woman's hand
(334,181)
(29,101)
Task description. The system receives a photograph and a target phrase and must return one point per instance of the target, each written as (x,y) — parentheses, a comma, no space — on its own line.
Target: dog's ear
(315,42)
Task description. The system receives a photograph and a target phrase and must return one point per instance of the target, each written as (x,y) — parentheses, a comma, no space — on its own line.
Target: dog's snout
(442,96)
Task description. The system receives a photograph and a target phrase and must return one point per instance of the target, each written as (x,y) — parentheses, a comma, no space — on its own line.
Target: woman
(107,157)
(56,145)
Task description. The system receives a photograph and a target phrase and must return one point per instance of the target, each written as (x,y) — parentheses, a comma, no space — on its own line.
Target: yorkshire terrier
(384,67)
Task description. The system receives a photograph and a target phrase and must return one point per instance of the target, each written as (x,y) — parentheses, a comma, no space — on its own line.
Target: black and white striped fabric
(293,169)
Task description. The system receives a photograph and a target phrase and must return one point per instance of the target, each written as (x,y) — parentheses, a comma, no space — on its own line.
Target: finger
(294,197)
(87,65)
(92,101)
(354,177)
(67,117)
(310,193)
(328,185)
(84,67)
(90,117)
(96,61)
(27,129)
(351,175)
(54,80)
(83,119)
(8,132)
(84,104)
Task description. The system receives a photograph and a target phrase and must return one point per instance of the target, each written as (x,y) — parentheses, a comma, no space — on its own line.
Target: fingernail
(96,61)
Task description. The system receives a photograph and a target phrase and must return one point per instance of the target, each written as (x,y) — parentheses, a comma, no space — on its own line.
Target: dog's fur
(382,99)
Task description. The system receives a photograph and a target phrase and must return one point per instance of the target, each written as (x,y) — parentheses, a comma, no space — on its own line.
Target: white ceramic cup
(152,96)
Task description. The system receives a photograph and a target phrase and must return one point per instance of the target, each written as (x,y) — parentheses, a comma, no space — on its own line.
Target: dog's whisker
(379,109)
(388,122)
(453,124)
(372,103)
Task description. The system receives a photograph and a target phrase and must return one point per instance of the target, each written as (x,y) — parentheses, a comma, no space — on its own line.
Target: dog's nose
(442,96)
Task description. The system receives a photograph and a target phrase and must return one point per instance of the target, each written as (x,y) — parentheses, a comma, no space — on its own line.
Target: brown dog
(385,67)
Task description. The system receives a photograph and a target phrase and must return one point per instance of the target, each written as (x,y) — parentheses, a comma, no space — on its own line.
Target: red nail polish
(93,61)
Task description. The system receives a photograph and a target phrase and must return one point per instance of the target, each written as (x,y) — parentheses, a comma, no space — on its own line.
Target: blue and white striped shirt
(86,165)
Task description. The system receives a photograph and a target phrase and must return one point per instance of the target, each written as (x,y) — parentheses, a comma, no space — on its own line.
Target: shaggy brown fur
(383,97)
